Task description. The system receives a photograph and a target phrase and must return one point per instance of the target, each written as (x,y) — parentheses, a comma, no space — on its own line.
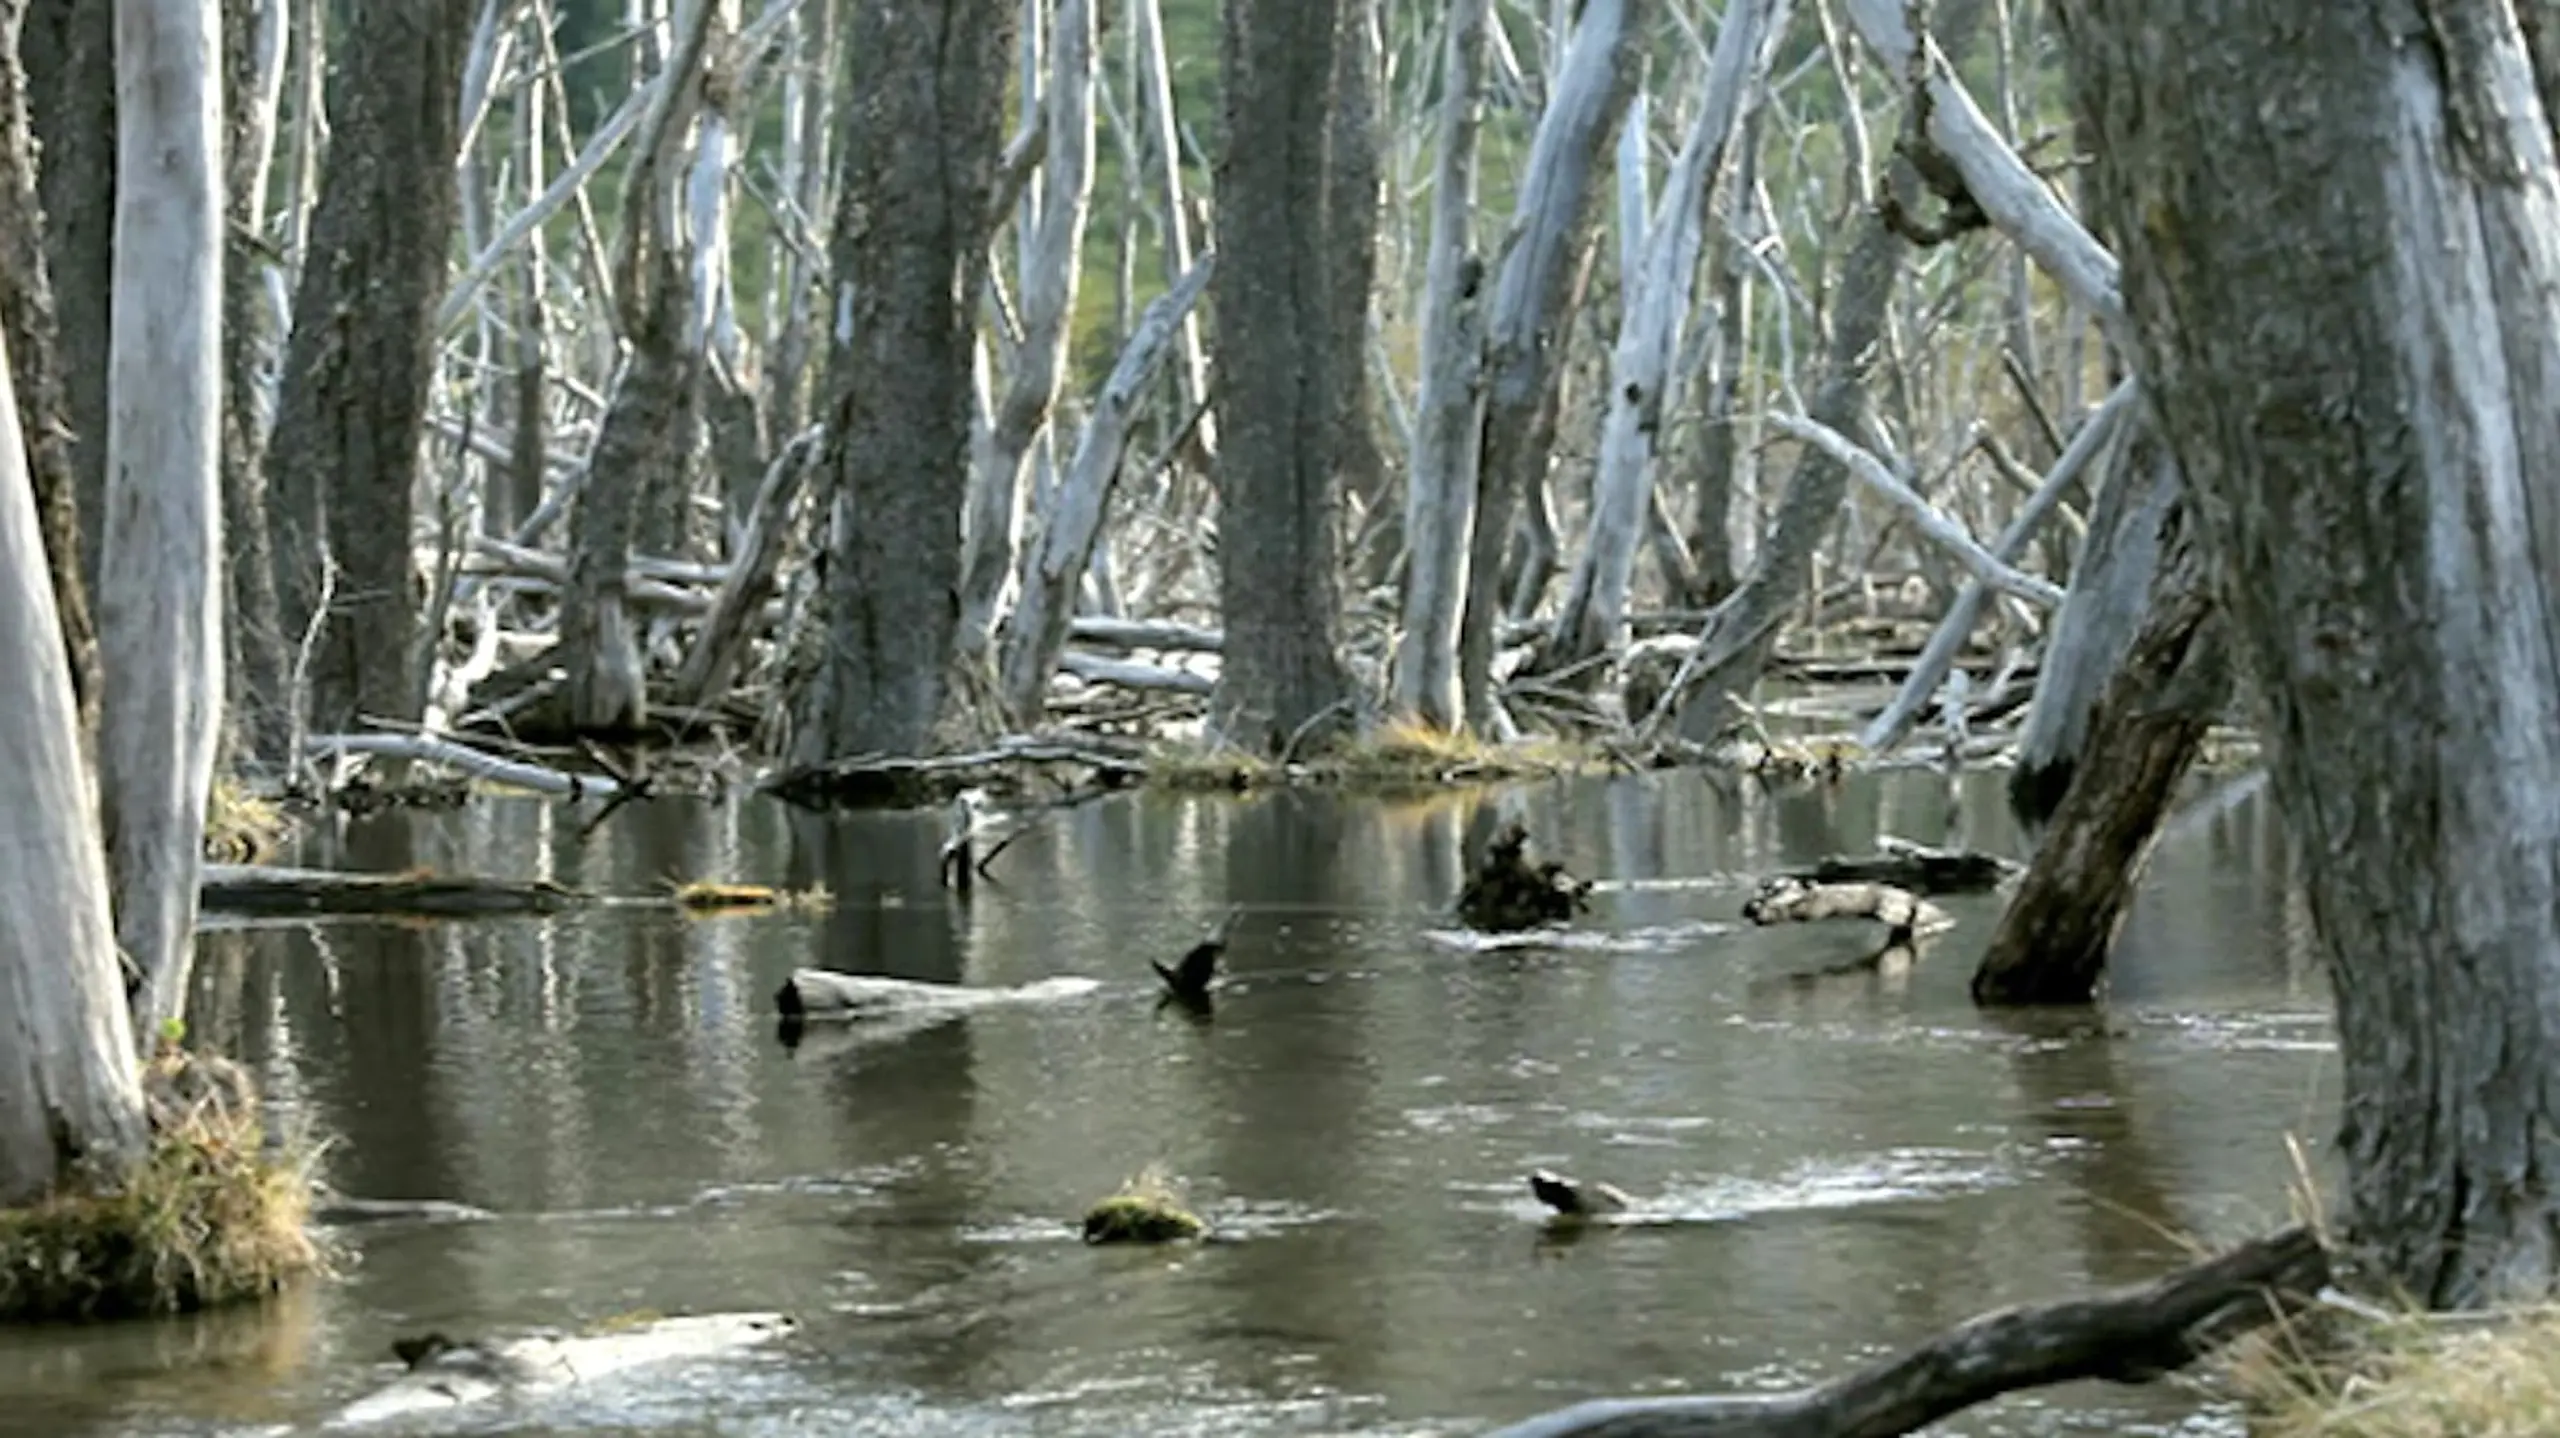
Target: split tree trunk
(923,99)
(1448,424)
(344,458)
(70,1089)
(1284,369)
(1525,329)
(159,584)
(2349,321)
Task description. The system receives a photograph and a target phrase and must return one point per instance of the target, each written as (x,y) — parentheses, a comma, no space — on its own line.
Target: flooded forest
(1544,717)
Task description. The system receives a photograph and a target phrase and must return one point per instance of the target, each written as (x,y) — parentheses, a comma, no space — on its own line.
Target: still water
(1829,1167)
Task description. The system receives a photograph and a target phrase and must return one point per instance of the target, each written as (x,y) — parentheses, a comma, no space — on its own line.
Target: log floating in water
(1790,900)
(815,994)
(2131,1335)
(1914,867)
(252,889)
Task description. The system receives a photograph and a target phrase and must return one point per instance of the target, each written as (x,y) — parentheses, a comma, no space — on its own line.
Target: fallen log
(1787,899)
(892,781)
(1129,674)
(256,889)
(445,1375)
(479,765)
(1106,633)
(814,994)
(2131,1335)
(1912,867)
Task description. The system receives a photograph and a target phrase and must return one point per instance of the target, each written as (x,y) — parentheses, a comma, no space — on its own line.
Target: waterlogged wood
(260,890)
(1052,263)
(479,765)
(1448,427)
(1042,618)
(1917,868)
(70,1090)
(1946,533)
(159,592)
(542,1365)
(1654,317)
(2131,1335)
(1524,328)
(1790,900)
(2350,324)
(2096,436)
(823,994)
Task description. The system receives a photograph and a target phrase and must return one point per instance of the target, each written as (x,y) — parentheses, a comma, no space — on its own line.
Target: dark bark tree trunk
(921,110)
(1283,310)
(69,50)
(2335,224)
(2052,942)
(344,457)
(27,319)
(639,452)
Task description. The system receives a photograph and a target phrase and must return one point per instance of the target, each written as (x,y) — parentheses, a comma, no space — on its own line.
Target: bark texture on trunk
(27,319)
(2143,732)
(159,575)
(70,1093)
(2338,230)
(69,49)
(1285,369)
(343,462)
(923,100)
(253,42)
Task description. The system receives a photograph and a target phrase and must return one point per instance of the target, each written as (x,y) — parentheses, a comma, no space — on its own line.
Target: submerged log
(2132,1335)
(1913,867)
(1787,899)
(443,1374)
(251,889)
(1506,891)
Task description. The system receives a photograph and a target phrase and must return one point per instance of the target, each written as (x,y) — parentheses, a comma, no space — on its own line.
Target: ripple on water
(1643,939)
(1896,1175)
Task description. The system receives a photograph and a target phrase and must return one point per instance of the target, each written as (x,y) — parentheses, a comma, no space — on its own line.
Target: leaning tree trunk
(1526,325)
(70,1093)
(1448,422)
(27,318)
(923,99)
(2143,732)
(344,456)
(1283,369)
(159,581)
(2336,227)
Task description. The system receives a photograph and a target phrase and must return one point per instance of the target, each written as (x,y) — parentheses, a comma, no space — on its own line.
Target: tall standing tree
(343,461)
(922,111)
(159,593)
(2337,227)
(1282,314)
(68,47)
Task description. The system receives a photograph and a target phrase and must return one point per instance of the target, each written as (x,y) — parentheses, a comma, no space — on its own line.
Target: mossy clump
(2405,1375)
(240,827)
(1145,1210)
(209,1216)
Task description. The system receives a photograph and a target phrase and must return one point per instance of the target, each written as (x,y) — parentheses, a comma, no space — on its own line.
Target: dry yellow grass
(210,1216)
(1400,755)
(2409,1376)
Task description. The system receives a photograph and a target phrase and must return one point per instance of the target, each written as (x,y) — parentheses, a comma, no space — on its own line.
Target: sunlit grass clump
(211,1216)
(1399,755)
(1197,768)
(1145,1210)
(706,898)
(2407,1375)
(240,827)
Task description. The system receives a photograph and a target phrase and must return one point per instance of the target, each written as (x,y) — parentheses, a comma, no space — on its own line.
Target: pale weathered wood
(160,597)
(1945,532)
(70,1089)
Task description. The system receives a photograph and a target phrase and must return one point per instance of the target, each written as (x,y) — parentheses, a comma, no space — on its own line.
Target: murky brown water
(1832,1167)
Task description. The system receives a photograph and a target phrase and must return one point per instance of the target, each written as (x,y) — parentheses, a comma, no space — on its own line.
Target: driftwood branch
(2131,1335)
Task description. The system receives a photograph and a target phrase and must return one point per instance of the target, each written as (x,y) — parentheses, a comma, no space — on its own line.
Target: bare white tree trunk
(69,1090)
(160,608)
(1155,92)
(1448,429)
(1052,262)
(1655,311)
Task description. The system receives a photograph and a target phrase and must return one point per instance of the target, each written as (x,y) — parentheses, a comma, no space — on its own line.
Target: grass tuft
(210,1216)
(1145,1210)
(2406,1374)
(240,827)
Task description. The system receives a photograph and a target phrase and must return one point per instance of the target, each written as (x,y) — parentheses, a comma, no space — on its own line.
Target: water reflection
(1825,1167)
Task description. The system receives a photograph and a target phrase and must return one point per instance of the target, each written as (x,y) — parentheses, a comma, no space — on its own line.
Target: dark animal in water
(426,1346)
(1507,892)
(1573,1198)
(1191,977)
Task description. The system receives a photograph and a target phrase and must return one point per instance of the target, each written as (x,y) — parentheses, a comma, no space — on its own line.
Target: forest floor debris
(212,1215)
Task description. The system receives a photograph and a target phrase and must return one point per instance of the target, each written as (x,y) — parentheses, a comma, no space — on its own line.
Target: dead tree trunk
(253,39)
(343,461)
(159,577)
(2143,732)
(68,47)
(2349,322)
(1283,371)
(27,319)
(1525,328)
(70,1091)
(923,97)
